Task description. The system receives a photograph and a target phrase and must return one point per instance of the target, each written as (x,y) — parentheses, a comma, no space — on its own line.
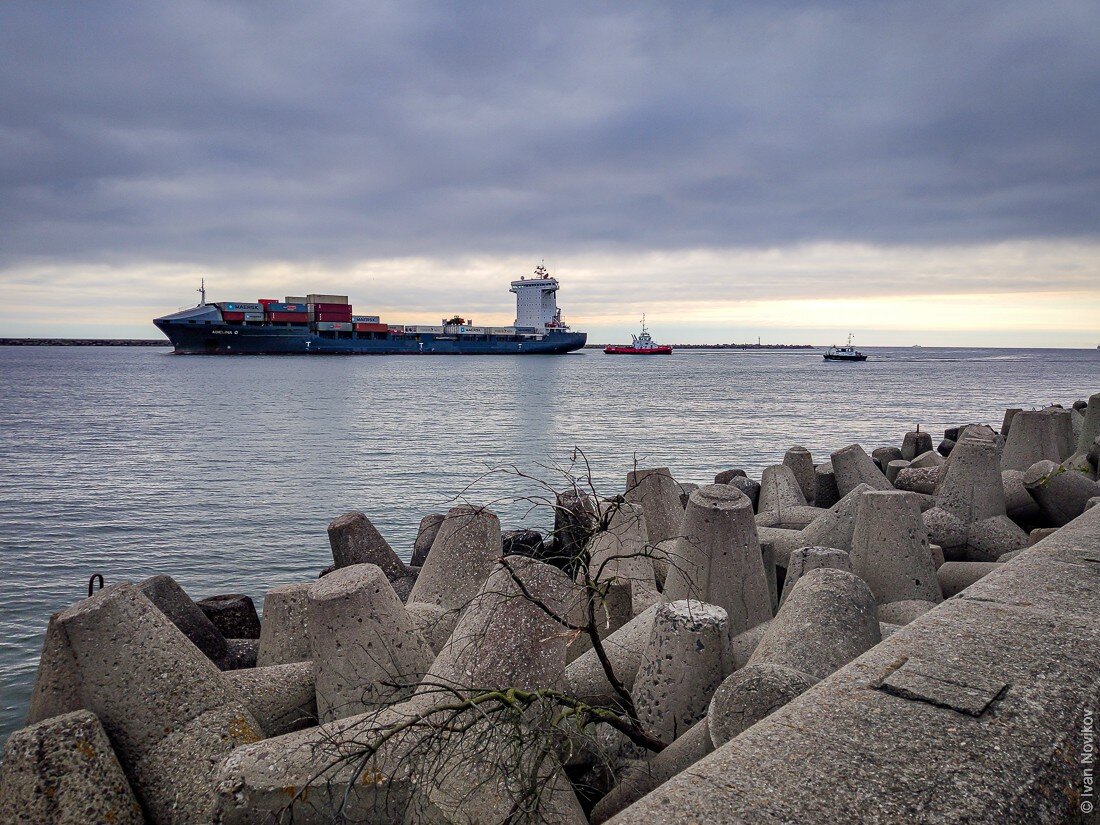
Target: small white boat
(846,353)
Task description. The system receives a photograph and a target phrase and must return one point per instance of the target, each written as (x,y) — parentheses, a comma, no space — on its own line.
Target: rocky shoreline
(906,633)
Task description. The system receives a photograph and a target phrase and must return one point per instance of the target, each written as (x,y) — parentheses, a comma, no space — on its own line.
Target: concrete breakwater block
(56,684)
(425,535)
(718,560)
(465,551)
(173,602)
(751,694)
(585,677)
(969,519)
(828,620)
(956,576)
(918,479)
(281,698)
(826,492)
(284,633)
(1035,436)
(171,716)
(852,467)
(805,559)
(726,476)
(749,487)
(779,491)
(882,456)
(914,444)
(890,549)
(242,653)
(801,462)
(504,638)
(1090,425)
(355,540)
(894,468)
(659,496)
(233,614)
(903,612)
(620,552)
(63,772)
(1060,492)
(683,662)
(365,649)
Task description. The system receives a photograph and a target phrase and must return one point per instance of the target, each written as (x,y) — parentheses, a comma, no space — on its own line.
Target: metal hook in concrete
(91,582)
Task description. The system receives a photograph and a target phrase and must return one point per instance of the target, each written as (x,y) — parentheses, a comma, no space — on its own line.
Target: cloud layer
(336,134)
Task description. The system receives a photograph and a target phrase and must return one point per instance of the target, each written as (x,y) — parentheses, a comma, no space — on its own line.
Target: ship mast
(202,292)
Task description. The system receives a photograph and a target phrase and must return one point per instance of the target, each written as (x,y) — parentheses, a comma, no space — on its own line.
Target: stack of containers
(331,312)
(287,312)
(368,323)
(239,311)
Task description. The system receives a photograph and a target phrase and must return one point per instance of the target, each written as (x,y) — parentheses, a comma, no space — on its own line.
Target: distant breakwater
(83,342)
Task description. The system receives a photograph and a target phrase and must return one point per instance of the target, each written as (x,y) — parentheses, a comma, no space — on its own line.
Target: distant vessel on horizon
(643,345)
(846,353)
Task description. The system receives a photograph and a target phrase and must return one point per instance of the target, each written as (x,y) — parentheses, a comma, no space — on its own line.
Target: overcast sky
(917,172)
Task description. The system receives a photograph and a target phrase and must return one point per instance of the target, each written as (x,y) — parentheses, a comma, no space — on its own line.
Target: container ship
(326,324)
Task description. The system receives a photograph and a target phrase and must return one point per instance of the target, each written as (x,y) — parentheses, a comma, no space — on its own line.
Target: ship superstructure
(317,323)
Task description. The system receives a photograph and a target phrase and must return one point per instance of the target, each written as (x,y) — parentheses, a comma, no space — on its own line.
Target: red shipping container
(332,308)
(266,301)
(332,316)
(372,328)
(283,317)
(232,316)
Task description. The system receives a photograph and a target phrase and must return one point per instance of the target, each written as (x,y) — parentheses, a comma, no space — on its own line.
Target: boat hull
(273,339)
(613,350)
(844,357)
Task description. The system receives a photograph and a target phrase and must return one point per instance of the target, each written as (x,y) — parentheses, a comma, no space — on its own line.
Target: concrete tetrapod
(852,467)
(683,662)
(355,540)
(659,494)
(465,551)
(233,614)
(969,517)
(585,677)
(749,695)
(621,552)
(801,462)
(718,560)
(504,637)
(170,714)
(828,620)
(781,503)
(956,576)
(56,684)
(826,492)
(425,535)
(1060,492)
(890,549)
(282,698)
(365,649)
(1034,436)
(914,443)
(63,772)
(805,559)
(833,528)
(173,602)
(284,633)
(1090,427)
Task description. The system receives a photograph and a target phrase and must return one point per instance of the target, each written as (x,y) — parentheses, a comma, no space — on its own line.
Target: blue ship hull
(218,338)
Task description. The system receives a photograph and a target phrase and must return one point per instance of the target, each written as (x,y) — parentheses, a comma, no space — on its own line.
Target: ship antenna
(202,292)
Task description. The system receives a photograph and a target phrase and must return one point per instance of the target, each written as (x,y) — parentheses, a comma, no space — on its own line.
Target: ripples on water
(223,472)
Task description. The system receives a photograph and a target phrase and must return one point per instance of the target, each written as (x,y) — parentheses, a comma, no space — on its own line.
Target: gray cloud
(215,132)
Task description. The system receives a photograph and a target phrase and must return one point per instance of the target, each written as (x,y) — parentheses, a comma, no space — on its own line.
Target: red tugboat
(643,345)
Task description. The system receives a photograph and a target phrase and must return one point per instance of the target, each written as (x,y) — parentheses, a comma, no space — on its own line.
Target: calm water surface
(223,472)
